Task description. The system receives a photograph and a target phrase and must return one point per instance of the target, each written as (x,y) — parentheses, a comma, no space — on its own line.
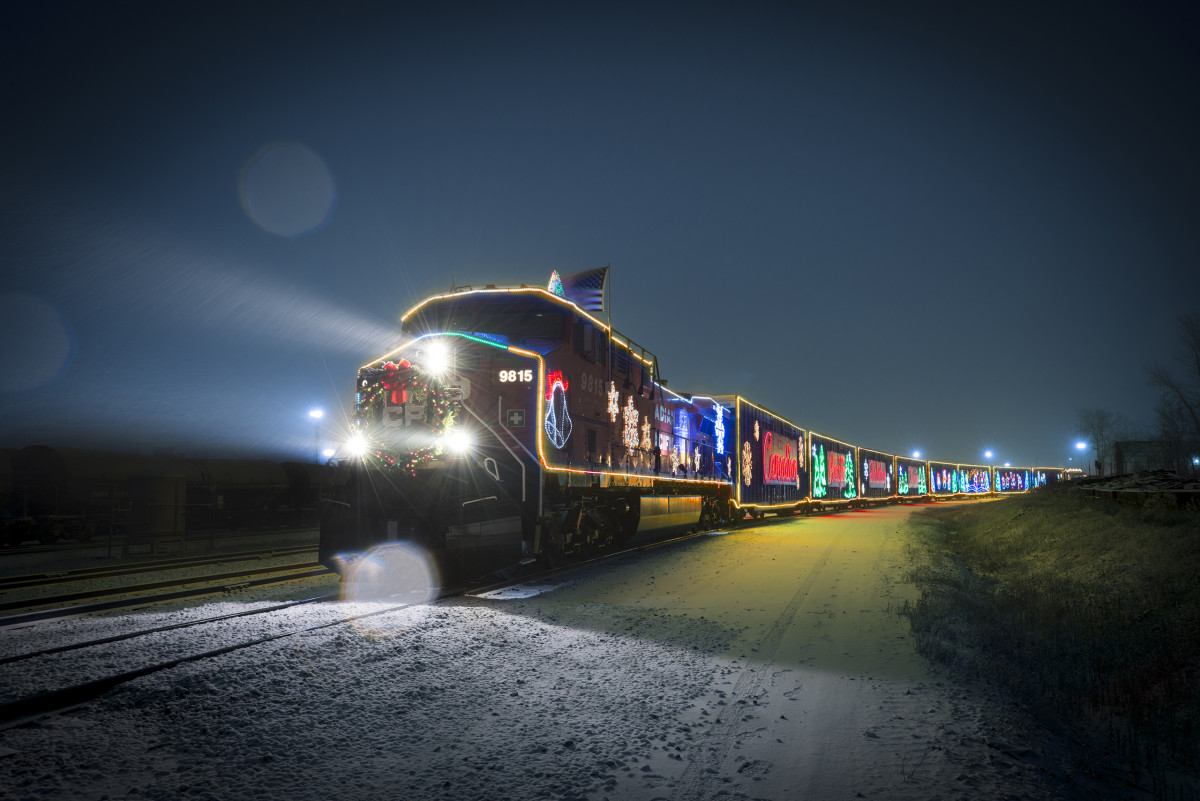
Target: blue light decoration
(719,429)
(556,284)
(558,422)
(683,425)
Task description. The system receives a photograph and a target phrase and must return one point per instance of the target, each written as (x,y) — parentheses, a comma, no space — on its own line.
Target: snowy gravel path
(768,663)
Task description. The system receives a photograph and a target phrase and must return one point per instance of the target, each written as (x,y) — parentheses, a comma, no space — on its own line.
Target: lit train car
(876,475)
(1023,479)
(833,470)
(766,458)
(912,478)
(974,479)
(959,479)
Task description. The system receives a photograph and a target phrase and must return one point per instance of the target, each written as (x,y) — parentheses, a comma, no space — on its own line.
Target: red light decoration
(553,378)
(781,466)
(837,469)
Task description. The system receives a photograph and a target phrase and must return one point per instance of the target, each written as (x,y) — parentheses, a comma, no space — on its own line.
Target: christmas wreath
(401,384)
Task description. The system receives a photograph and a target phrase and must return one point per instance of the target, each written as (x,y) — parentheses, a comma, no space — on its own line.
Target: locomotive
(515,425)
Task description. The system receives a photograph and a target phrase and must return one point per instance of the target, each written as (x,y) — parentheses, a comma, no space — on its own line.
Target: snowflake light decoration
(631,425)
(614,398)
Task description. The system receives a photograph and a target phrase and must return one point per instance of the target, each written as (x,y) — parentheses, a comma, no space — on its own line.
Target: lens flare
(287,190)
(37,343)
(389,575)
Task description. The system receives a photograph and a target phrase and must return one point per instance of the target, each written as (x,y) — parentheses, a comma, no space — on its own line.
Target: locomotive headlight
(459,441)
(438,357)
(357,444)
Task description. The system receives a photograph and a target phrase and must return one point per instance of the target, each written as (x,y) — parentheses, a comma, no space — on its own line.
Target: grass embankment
(1078,605)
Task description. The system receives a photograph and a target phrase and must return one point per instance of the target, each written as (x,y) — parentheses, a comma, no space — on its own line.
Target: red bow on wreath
(395,380)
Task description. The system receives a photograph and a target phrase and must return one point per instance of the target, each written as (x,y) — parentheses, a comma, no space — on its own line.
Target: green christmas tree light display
(922,487)
(903,480)
(851,490)
(820,482)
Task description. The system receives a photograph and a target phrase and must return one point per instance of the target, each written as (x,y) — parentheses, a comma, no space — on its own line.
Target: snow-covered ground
(768,663)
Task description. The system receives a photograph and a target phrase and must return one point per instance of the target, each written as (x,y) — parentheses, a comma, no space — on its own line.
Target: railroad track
(120,541)
(41,579)
(21,710)
(96,599)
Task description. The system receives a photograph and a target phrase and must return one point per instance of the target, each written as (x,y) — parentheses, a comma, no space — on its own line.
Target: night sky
(902,225)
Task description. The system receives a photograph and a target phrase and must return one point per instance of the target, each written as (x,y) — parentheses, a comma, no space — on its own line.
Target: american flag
(584,289)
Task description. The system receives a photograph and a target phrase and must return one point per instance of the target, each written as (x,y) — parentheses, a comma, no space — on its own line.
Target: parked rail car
(513,424)
(66,493)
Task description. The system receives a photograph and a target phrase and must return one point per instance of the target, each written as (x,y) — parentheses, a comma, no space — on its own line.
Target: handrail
(516,458)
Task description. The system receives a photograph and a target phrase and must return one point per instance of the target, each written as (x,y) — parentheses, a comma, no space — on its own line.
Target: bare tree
(1178,413)
(1100,428)
(1171,426)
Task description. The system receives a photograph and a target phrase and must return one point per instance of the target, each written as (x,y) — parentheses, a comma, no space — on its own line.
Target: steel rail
(311,569)
(110,571)
(144,632)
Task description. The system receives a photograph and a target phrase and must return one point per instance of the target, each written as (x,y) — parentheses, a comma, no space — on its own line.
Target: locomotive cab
(447,457)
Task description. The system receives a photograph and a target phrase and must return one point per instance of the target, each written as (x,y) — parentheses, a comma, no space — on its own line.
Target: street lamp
(1081,446)
(316,415)
(916,454)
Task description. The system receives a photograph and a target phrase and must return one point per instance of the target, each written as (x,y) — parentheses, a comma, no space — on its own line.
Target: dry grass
(1079,606)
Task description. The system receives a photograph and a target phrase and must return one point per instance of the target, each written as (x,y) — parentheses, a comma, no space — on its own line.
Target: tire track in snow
(704,768)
